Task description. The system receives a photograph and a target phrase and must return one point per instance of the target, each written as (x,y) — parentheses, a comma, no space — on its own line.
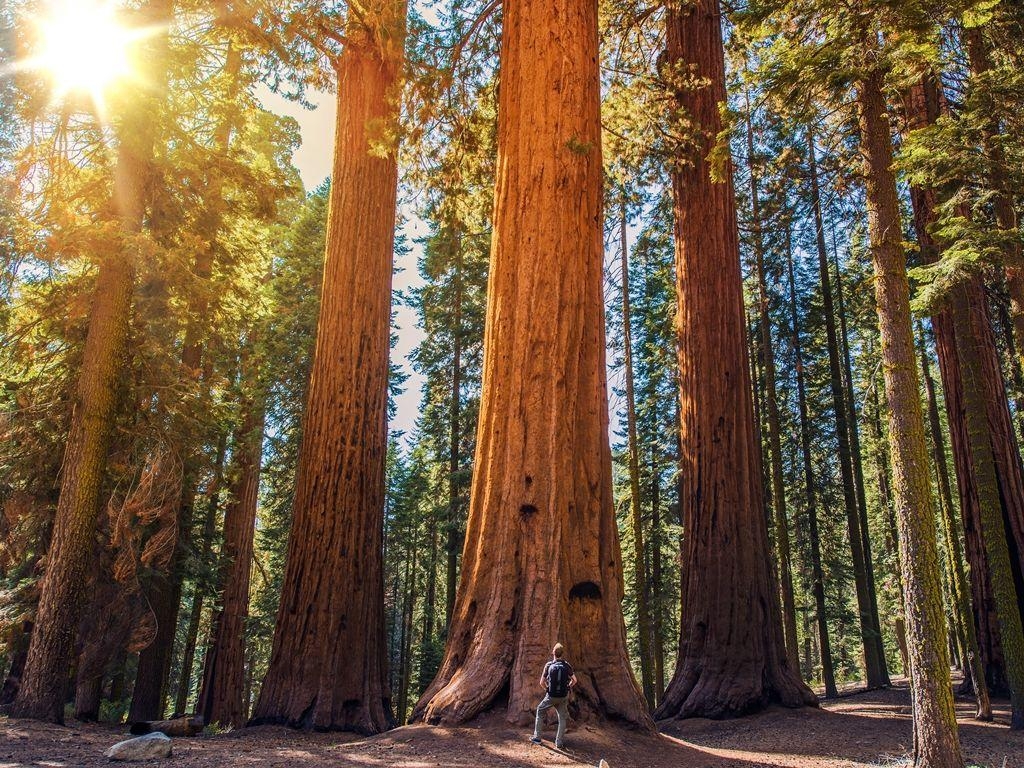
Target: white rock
(152,746)
(603,764)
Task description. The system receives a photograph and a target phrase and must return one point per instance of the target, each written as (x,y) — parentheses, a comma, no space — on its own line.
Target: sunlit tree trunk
(974,670)
(45,679)
(541,561)
(328,669)
(936,740)
(732,654)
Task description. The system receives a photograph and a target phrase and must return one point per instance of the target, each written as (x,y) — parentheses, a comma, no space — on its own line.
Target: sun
(84,49)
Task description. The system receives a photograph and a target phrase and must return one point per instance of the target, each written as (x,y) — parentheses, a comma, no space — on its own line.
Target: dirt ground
(864,729)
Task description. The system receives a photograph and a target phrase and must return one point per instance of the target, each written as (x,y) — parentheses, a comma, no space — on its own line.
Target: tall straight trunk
(541,561)
(732,653)
(220,698)
(882,475)
(994,530)
(643,611)
(657,599)
(165,587)
(780,518)
(974,670)
(328,667)
(454,446)
(871,636)
(925,106)
(198,599)
(828,675)
(405,637)
(45,679)
(936,740)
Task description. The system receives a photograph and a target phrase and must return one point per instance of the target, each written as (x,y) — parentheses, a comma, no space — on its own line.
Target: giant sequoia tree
(541,561)
(327,668)
(732,655)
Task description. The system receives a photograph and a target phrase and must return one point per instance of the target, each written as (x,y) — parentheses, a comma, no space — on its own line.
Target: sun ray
(84,50)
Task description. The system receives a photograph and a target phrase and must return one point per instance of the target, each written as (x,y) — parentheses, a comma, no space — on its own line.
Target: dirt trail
(866,729)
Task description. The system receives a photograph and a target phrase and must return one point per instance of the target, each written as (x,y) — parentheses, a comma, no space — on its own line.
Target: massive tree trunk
(871,637)
(936,740)
(732,656)
(327,668)
(541,561)
(45,679)
(220,699)
(924,107)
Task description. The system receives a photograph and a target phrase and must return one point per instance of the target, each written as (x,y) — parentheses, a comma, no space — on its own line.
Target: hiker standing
(557,678)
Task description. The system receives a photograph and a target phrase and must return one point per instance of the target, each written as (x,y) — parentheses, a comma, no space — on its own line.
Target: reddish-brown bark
(220,699)
(327,668)
(541,561)
(732,656)
(925,104)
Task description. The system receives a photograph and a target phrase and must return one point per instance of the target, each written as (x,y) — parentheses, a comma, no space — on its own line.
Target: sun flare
(84,48)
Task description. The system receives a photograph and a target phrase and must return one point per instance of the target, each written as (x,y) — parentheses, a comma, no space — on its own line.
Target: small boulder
(152,746)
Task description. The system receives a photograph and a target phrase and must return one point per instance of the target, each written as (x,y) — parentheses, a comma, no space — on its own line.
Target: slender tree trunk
(541,562)
(328,667)
(165,587)
(936,740)
(220,699)
(452,545)
(814,540)
(636,524)
(44,682)
(732,653)
(871,636)
(657,594)
(780,517)
(974,670)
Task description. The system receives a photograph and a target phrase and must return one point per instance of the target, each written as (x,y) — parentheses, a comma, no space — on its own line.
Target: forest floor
(862,729)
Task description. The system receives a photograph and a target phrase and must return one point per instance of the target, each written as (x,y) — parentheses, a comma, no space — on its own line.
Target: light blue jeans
(561,710)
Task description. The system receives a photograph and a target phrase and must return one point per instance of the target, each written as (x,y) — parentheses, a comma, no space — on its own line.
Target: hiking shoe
(559,745)
(535,739)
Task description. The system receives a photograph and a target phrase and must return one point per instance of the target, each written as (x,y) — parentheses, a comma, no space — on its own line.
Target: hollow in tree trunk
(541,563)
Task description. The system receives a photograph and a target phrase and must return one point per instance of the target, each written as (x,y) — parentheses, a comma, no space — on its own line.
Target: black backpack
(558,680)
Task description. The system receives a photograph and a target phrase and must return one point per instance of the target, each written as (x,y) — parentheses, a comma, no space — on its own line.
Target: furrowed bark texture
(541,561)
(936,740)
(732,655)
(925,106)
(327,668)
(69,558)
(220,700)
